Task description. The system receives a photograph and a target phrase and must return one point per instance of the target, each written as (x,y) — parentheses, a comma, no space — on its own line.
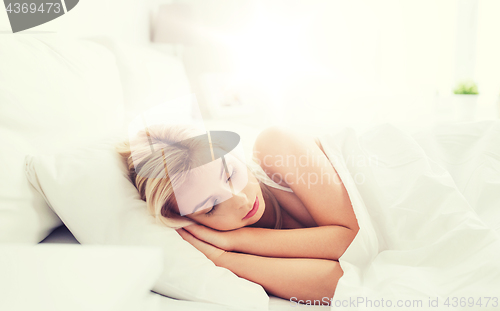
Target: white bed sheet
(423,231)
(60,277)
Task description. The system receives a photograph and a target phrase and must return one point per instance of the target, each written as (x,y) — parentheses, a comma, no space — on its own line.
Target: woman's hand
(211,252)
(222,239)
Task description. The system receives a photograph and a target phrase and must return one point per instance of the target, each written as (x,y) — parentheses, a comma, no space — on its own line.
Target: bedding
(149,78)
(470,152)
(52,277)
(56,92)
(63,235)
(428,235)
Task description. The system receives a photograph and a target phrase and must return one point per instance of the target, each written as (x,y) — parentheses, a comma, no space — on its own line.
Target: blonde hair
(162,146)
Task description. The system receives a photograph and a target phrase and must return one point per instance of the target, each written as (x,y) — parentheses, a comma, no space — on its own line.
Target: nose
(241,200)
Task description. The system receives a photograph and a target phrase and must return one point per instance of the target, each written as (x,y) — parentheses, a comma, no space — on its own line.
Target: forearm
(325,242)
(301,278)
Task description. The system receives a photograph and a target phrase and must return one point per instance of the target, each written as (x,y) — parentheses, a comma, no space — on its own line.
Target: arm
(283,277)
(325,242)
(303,278)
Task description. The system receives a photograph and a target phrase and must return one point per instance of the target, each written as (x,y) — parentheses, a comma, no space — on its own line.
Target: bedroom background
(350,63)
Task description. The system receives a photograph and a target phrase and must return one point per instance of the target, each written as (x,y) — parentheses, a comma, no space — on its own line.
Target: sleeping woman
(265,220)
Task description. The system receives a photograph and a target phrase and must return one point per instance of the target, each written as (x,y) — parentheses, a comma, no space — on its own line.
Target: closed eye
(212,210)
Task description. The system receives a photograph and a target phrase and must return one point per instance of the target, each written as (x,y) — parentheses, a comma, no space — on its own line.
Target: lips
(254,209)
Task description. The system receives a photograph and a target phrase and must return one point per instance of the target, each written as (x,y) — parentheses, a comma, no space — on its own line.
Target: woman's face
(222,197)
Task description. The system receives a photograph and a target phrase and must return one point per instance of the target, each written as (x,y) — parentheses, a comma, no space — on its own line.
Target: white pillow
(49,277)
(90,190)
(149,78)
(55,92)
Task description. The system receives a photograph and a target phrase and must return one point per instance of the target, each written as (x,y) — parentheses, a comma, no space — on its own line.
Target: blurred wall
(359,59)
(363,60)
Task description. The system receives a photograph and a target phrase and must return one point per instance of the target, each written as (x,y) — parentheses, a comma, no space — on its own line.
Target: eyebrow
(199,205)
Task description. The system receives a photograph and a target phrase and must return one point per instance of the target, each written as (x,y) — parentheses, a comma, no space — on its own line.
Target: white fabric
(90,190)
(63,235)
(471,154)
(55,92)
(419,237)
(149,78)
(97,17)
(78,277)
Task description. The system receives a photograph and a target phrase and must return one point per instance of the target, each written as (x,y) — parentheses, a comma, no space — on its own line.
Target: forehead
(199,184)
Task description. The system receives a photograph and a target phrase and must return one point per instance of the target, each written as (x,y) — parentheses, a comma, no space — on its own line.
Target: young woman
(245,230)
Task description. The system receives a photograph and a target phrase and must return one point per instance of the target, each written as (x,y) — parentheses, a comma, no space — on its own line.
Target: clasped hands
(212,243)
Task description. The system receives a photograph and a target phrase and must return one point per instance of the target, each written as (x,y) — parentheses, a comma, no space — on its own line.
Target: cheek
(229,221)
(226,223)
(252,180)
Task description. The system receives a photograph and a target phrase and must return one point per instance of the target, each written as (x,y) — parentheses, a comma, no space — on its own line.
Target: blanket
(428,207)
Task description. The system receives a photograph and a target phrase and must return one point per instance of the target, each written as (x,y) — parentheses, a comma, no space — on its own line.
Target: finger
(210,251)
(200,232)
(195,228)
(192,226)
(188,237)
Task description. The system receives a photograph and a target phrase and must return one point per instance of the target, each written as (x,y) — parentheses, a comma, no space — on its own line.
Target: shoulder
(273,141)
(273,136)
(276,143)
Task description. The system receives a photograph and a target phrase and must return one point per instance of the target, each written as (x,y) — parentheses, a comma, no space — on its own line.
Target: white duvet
(428,205)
